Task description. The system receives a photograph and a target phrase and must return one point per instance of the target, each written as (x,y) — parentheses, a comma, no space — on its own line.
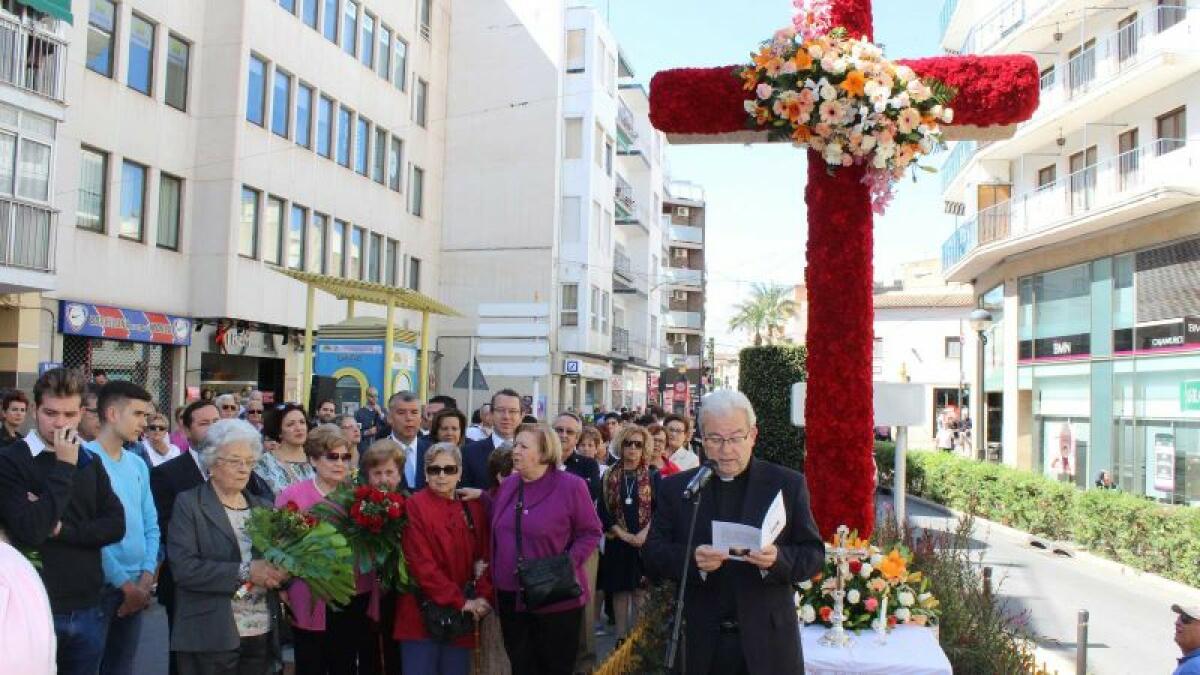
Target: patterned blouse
(250,611)
(280,474)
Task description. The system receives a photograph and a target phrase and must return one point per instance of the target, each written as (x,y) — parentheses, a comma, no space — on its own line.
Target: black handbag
(446,624)
(544,581)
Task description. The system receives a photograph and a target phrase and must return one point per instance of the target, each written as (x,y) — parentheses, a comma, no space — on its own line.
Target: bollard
(987,582)
(1081,637)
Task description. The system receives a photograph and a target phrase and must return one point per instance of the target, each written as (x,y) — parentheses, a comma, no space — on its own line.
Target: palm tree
(768,310)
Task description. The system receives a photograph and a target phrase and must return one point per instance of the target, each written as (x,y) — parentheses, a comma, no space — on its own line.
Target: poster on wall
(1164,462)
(1062,441)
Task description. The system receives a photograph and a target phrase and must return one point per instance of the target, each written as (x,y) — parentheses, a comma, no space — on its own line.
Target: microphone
(701,479)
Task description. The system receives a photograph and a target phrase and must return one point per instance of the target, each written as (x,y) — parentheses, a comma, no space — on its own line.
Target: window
(140,75)
(296,238)
(273,231)
(595,307)
(425,17)
(33,170)
(400,64)
(877,356)
(324,126)
(248,228)
(575,51)
(362,136)
(1172,130)
(568,309)
(421,103)
(414,273)
(304,98)
(179,55)
(604,313)
(379,153)
(289,5)
(315,248)
(256,91)
(93,178)
(356,253)
(309,13)
(329,25)
(375,259)
(337,249)
(102,22)
(417,189)
(569,220)
(350,28)
(133,200)
(395,161)
(1081,66)
(1171,12)
(599,146)
(384,64)
(281,97)
(1047,176)
(953,347)
(608,155)
(391,262)
(573,138)
(367,53)
(1128,159)
(170,198)
(343,136)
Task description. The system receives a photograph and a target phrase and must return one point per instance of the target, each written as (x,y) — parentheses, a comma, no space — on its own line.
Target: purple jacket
(559,517)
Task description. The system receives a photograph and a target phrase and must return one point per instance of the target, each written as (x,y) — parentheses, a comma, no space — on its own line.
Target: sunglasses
(229,407)
(156,427)
(252,411)
(339,456)
(565,432)
(632,444)
(448,470)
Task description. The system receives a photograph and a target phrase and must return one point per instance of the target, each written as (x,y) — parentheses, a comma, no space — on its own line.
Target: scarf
(614,497)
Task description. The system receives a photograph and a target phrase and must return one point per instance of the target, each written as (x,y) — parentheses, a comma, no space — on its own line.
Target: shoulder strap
(520,506)
(468,516)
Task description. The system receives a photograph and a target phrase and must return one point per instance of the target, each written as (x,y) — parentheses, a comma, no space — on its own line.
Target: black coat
(766,613)
(475,462)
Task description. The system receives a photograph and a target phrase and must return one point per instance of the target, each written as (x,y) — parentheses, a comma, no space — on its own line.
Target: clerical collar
(743,474)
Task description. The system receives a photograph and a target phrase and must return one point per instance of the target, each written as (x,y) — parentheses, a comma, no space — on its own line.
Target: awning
(369,292)
(59,9)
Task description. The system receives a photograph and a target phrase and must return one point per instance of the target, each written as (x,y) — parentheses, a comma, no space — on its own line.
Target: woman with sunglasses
(448,548)
(158,448)
(328,641)
(627,500)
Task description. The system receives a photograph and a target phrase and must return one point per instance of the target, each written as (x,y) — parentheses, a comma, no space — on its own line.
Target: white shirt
(685,459)
(173,451)
(199,465)
(35,443)
(497,441)
(410,459)
(477,433)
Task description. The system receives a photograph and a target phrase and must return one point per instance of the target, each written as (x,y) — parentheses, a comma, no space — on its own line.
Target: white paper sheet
(738,539)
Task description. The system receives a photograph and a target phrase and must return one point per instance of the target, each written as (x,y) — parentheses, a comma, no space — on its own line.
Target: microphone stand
(677,624)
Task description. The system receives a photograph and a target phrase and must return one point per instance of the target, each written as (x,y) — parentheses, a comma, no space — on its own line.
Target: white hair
(227,432)
(225,398)
(726,402)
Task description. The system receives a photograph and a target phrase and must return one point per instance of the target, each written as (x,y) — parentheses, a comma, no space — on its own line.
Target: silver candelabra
(840,554)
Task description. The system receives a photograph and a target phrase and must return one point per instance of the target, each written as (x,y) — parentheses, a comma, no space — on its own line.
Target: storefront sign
(1059,347)
(43,366)
(115,323)
(1189,395)
(1177,335)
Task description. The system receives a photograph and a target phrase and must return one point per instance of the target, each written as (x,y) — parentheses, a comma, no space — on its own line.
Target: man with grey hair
(739,615)
(227,406)
(404,416)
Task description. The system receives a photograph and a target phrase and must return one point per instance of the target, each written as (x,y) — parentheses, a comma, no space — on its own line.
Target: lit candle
(883,613)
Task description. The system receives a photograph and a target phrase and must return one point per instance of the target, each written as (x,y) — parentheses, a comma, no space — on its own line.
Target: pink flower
(831,112)
(764,91)
(871,604)
(908,120)
(813,18)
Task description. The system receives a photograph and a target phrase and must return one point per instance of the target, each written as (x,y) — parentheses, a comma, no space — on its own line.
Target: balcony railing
(684,320)
(686,233)
(683,277)
(620,341)
(626,122)
(999,23)
(948,8)
(624,196)
(959,156)
(622,264)
(1085,192)
(31,59)
(26,236)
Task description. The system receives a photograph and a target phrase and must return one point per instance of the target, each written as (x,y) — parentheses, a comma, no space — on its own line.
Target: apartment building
(1082,239)
(557,211)
(206,142)
(683,219)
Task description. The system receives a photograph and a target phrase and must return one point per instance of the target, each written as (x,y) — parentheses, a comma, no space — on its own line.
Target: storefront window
(1123,304)
(1025,318)
(993,351)
(1062,411)
(1062,313)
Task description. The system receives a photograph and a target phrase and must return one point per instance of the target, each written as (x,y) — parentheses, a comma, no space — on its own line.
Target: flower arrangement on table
(372,521)
(822,88)
(877,585)
(306,548)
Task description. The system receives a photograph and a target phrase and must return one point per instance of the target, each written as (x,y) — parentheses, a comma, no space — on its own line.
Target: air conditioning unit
(679,253)
(682,211)
(680,296)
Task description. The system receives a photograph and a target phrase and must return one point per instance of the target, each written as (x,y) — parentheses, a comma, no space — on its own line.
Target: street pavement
(1132,627)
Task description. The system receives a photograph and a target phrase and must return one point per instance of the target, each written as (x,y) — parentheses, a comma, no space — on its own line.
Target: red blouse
(441,552)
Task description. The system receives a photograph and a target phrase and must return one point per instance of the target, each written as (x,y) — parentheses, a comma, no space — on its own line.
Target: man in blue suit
(506,417)
(404,416)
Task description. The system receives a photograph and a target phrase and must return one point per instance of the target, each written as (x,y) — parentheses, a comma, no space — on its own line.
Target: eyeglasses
(720,441)
(339,456)
(630,443)
(156,427)
(506,411)
(253,411)
(237,463)
(565,432)
(435,470)
(675,430)
(229,407)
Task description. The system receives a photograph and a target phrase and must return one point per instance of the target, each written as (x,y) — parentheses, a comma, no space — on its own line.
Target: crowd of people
(116,508)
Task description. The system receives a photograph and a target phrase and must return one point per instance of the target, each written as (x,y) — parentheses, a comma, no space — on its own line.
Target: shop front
(230,356)
(127,344)
(352,354)
(584,383)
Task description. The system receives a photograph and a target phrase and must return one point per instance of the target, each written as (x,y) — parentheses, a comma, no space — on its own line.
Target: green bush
(766,375)
(1143,534)
(885,463)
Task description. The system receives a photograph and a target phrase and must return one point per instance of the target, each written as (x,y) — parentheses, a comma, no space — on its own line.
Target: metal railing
(624,195)
(622,264)
(620,341)
(626,122)
(685,233)
(1000,23)
(959,157)
(683,320)
(1091,189)
(26,235)
(31,59)
(682,276)
(948,9)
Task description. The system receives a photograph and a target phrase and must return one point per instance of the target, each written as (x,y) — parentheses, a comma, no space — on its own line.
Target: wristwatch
(244,572)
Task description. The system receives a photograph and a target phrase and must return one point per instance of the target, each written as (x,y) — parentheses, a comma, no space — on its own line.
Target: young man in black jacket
(56,500)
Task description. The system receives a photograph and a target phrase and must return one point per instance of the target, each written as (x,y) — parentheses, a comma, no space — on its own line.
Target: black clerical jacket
(765,609)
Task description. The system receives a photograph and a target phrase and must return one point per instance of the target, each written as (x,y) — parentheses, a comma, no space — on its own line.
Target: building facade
(684,374)
(206,142)
(1083,241)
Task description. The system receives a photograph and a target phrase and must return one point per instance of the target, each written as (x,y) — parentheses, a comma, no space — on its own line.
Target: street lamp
(980,321)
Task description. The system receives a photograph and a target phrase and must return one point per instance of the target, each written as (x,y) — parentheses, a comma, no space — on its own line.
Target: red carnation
(826,613)
(355,509)
(310,521)
(291,506)
(393,510)
(362,491)
(376,495)
(855,566)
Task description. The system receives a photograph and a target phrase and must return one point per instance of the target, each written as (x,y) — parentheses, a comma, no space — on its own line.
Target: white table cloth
(910,650)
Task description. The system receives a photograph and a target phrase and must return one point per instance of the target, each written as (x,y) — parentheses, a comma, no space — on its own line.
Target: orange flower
(764,56)
(892,566)
(855,83)
(749,79)
(762,115)
(802,60)
(801,134)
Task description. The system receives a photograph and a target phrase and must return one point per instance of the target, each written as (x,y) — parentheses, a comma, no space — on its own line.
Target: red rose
(376,495)
(310,521)
(855,566)
(292,506)
(355,509)
(362,491)
(393,511)
(826,613)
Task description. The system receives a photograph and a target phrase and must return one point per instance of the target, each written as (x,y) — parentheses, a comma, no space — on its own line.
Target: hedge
(766,375)
(1146,535)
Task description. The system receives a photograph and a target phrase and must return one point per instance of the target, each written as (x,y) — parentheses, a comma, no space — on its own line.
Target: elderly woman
(627,500)
(556,517)
(449,426)
(656,453)
(218,630)
(227,406)
(328,641)
(383,468)
(446,544)
(157,446)
(352,430)
(287,462)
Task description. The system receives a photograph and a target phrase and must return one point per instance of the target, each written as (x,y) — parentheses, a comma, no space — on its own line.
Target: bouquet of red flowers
(372,521)
(308,549)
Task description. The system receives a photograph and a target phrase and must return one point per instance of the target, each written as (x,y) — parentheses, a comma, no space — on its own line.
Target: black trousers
(539,644)
(347,646)
(728,658)
(252,657)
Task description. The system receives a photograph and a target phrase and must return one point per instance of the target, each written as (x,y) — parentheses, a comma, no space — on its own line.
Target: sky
(756,218)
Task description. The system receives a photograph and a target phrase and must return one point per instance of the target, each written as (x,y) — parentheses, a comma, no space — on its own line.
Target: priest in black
(739,615)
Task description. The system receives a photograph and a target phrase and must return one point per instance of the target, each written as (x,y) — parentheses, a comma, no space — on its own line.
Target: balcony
(620,341)
(686,234)
(959,157)
(678,276)
(997,24)
(26,246)
(627,133)
(683,320)
(622,264)
(1141,182)
(623,197)
(31,59)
